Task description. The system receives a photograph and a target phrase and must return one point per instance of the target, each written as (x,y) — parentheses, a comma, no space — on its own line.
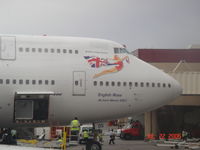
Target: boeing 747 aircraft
(48,81)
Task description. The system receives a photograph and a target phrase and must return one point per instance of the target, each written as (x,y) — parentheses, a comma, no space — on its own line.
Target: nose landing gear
(93,145)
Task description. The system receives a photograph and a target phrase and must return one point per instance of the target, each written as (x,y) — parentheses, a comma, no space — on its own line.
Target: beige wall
(183,67)
(187,69)
(187,101)
(188,74)
(189,81)
(150,123)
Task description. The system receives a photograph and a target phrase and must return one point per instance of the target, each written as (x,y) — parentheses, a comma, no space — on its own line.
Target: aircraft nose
(177,89)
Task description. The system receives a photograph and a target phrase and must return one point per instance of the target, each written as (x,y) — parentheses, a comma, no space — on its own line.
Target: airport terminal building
(183,113)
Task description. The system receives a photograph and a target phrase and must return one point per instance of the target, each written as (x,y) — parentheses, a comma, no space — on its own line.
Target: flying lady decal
(116,64)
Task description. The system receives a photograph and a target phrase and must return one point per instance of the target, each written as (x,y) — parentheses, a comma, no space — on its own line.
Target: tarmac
(119,145)
(124,145)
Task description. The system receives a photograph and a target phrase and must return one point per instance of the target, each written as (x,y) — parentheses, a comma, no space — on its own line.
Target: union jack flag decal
(96,62)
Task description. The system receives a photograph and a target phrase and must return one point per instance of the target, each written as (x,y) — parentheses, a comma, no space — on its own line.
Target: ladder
(74,138)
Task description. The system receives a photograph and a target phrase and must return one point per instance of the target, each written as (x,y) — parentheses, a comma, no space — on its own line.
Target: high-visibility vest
(184,133)
(75,125)
(60,140)
(85,134)
(13,132)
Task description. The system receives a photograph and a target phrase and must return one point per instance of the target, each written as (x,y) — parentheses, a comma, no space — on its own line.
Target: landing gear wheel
(93,145)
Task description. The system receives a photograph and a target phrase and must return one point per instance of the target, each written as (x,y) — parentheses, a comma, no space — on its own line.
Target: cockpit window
(120,50)
(116,50)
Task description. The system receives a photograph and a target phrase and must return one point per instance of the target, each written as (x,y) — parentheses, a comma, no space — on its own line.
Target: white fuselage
(64,69)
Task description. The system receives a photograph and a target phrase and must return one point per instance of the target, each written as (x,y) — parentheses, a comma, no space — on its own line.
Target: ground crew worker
(85,136)
(112,137)
(100,135)
(59,139)
(75,126)
(14,136)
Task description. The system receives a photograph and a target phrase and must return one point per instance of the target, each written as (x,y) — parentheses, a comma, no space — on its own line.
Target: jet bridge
(31,107)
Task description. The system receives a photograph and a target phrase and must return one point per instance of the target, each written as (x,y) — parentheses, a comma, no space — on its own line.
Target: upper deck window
(76,51)
(40,50)
(116,50)
(122,50)
(58,50)
(52,50)
(33,50)
(64,51)
(27,49)
(46,50)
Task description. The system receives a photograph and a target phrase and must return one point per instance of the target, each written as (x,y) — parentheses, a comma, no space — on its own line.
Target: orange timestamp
(162,136)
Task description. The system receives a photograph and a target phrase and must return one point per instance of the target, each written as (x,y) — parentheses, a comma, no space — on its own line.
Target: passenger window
(27,49)
(142,84)
(46,82)
(39,50)
(158,84)
(33,82)
(169,85)
(70,51)
(1,81)
(58,50)
(113,83)
(147,84)
(76,83)
(7,81)
(101,83)
(136,84)
(52,82)
(52,50)
(118,83)
(40,82)
(107,83)
(20,81)
(164,85)
(64,51)
(95,83)
(124,83)
(76,51)
(33,50)
(116,50)
(21,49)
(46,50)
(27,81)
(130,84)
(14,81)
(153,84)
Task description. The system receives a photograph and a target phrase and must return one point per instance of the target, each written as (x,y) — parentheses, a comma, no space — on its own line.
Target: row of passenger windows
(130,84)
(27,82)
(47,50)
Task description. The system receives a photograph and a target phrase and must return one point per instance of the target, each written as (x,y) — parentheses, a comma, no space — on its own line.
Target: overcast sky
(136,23)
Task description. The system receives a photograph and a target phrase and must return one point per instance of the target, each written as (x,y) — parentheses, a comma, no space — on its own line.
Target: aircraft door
(31,108)
(7,48)
(79,83)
